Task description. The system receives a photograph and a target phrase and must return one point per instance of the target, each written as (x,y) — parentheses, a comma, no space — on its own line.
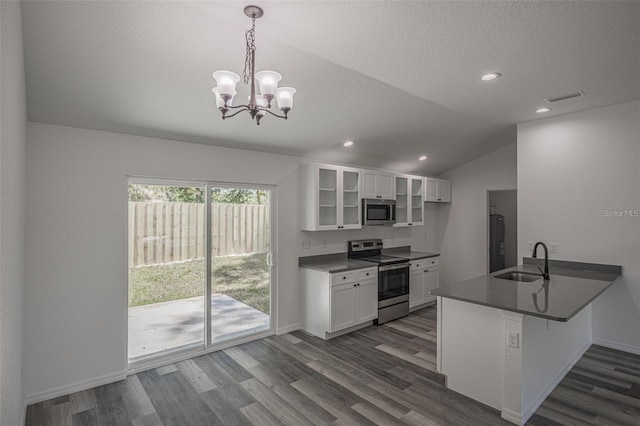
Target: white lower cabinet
(336,302)
(351,304)
(423,277)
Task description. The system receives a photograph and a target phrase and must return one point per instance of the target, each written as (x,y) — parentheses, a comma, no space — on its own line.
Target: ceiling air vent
(565,97)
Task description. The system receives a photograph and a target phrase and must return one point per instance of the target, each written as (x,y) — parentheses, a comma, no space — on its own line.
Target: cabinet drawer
(418,264)
(432,261)
(367,274)
(344,277)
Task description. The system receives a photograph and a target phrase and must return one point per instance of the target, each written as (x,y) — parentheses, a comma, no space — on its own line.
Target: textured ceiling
(399,78)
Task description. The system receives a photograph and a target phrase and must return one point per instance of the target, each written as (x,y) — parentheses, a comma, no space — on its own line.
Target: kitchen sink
(519,276)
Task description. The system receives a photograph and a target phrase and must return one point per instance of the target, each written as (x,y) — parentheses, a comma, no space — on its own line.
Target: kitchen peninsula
(507,343)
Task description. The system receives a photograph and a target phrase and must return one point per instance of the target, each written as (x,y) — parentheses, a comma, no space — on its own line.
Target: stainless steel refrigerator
(496,242)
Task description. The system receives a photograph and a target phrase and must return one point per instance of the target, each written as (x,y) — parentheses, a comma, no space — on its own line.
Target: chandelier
(267,80)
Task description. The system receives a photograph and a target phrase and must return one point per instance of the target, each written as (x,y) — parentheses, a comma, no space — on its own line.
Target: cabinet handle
(367,274)
(358,284)
(354,285)
(344,278)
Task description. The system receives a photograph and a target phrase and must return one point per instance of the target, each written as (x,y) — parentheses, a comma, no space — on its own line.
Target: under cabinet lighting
(541,110)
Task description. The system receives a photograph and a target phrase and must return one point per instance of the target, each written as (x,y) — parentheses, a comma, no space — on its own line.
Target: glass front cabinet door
(330,198)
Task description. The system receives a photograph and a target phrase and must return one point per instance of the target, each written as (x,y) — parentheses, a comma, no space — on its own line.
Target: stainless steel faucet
(545,274)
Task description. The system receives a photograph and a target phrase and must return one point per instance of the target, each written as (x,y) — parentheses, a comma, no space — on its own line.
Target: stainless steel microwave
(378,212)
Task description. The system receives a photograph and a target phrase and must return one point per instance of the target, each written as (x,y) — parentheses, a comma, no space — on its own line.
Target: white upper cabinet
(409,200)
(437,190)
(330,197)
(376,184)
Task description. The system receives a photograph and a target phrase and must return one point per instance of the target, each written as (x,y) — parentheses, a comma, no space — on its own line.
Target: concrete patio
(169,325)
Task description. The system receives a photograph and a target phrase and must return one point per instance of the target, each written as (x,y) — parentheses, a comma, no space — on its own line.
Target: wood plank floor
(382,375)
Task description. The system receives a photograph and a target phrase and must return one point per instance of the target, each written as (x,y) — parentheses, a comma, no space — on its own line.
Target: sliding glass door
(166,268)
(240,261)
(200,266)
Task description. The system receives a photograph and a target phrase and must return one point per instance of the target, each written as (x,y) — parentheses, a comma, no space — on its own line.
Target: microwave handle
(393,212)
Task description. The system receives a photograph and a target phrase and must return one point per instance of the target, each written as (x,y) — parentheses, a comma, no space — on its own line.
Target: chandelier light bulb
(220,102)
(268,82)
(422,157)
(348,143)
(284,95)
(227,81)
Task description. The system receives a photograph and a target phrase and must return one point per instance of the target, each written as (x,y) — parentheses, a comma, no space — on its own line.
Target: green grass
(244,278)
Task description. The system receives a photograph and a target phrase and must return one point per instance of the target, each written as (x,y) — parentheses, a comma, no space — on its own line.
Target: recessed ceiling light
(490,76)
(348,143)
(541,110)
(422,157)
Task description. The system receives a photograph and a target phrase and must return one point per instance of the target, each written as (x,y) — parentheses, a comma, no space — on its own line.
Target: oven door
(393,281)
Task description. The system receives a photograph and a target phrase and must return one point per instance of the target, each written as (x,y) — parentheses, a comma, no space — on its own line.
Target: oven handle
(393,267)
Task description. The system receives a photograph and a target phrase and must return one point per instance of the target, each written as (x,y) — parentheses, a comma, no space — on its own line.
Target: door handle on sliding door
(270,259)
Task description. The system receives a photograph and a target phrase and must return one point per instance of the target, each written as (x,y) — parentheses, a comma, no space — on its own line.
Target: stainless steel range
(393,278)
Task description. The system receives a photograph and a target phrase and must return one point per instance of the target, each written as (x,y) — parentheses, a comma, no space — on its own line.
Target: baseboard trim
(617,346)
(511,416)
(288,329)
(531,409)
(75,387)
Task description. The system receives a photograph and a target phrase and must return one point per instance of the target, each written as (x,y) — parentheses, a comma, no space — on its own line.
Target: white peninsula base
(506,360)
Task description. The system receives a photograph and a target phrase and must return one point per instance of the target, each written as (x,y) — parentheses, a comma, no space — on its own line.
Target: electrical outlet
(530,245)
(513,339)
(554,247)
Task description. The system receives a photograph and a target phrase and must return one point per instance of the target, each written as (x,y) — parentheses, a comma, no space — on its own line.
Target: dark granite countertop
(571,287)
(339,262)
(407,253)
(333,263)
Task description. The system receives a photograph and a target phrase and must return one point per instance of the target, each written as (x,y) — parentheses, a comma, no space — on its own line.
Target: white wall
(13,122)
(571,170)
(76,297)
(463,223)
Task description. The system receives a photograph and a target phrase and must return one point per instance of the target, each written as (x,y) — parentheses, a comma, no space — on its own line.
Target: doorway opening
(200,267)
(502,229)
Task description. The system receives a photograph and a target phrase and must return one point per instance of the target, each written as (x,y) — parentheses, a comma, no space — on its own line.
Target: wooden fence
(171,232)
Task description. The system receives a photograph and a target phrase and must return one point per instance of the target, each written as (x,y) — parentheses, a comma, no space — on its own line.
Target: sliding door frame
(171,356)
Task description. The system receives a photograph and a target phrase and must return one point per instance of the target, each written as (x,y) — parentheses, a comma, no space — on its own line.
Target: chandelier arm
(274,114)
(238,106)
(236,113)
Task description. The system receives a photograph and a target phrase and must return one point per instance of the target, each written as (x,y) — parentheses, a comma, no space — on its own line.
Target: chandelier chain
(250,35)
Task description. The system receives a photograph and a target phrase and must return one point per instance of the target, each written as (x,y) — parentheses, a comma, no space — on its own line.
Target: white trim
(531,409)
(24,411)
(617,346)
(289,329)
(75,387)
(511,416)
(439,302)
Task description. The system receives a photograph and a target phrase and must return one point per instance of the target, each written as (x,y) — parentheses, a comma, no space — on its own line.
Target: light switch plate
(554,247)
